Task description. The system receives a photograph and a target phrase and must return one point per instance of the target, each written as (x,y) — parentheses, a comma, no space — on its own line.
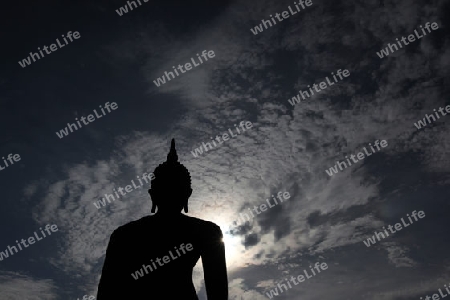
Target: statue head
(171,186)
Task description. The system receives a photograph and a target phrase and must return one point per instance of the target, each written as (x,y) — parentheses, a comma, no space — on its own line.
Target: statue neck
(167,214)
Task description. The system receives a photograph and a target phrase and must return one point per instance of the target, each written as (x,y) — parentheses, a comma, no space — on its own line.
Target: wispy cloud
(19,286)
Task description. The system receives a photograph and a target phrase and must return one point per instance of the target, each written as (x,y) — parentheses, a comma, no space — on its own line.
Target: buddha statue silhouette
(153,257)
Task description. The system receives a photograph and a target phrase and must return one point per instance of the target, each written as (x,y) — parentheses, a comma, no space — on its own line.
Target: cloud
(19,286)
(397,255)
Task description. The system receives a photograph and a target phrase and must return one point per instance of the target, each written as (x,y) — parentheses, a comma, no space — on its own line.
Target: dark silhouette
(161,250)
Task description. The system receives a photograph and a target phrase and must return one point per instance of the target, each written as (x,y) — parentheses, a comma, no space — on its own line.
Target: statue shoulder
(130,227)
(206,226)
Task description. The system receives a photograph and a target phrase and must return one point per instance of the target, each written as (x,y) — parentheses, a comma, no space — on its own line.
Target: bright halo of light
(233,248)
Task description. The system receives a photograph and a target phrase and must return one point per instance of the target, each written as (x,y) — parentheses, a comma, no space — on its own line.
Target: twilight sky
(288,149)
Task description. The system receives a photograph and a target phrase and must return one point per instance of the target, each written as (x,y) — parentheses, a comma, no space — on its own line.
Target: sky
(288,149)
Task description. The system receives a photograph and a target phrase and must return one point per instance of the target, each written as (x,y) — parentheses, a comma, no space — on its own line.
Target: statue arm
(214,267)
(110,285)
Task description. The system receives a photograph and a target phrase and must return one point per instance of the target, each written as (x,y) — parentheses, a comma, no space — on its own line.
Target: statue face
(172,199)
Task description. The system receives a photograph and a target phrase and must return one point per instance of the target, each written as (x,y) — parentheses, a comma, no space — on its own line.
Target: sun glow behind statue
(233,246)
(233,250)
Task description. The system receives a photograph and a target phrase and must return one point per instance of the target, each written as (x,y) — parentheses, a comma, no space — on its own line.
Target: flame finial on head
(172,157)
